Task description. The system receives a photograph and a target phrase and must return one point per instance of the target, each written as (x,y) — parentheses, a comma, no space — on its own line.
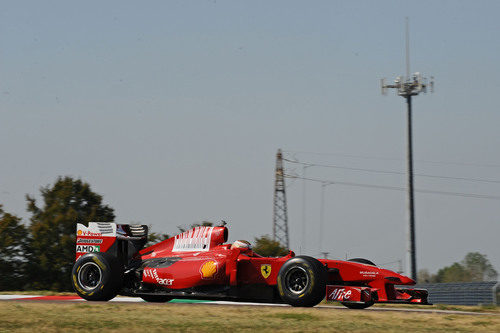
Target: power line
(483,165)
(481,180)
(397,188)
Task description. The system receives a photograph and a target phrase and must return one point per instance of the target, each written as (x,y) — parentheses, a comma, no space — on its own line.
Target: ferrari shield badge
(265,270)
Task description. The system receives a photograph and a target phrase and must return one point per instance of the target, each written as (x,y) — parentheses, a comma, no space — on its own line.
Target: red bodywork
(220,265)
(199,258)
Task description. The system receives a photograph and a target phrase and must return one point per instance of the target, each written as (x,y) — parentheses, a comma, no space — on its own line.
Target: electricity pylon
(280,213)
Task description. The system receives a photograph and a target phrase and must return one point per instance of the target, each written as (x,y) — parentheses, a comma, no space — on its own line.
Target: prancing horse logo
(265,270)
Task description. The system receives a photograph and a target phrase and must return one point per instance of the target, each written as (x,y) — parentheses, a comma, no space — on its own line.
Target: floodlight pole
(407,87)
(412,253)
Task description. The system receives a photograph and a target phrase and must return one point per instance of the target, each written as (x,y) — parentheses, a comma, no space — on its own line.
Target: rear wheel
(302,281)
(156,298)
(97,276)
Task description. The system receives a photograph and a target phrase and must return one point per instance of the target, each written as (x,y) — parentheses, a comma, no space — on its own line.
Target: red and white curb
(63,298)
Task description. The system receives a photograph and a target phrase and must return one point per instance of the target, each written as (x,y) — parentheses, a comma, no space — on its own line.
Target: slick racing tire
(358,306)
(97,276)
(362,261)
(156,298)
(302,281)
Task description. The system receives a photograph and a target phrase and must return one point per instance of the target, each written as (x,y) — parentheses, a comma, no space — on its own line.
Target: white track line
(16,296)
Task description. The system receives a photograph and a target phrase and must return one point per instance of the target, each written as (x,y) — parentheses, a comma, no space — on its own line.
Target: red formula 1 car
(197,264)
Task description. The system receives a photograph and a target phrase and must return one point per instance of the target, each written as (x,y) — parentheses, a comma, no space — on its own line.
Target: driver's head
(244,245)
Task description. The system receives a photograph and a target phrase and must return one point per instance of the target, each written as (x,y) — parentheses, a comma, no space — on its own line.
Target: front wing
(353,294)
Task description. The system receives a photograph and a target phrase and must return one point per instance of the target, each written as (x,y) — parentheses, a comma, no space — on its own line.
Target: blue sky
(174,111)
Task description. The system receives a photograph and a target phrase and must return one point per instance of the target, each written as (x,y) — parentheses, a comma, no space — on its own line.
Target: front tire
(97,276)
(302,281)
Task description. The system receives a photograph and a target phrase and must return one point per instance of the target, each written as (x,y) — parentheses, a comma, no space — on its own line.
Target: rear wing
(121,240)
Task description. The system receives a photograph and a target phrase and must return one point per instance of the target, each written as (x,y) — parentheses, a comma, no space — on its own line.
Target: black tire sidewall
(316,288)
(111,277)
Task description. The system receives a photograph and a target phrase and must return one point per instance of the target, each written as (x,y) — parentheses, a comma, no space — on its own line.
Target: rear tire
(302,281)
(97,276)
(156,298)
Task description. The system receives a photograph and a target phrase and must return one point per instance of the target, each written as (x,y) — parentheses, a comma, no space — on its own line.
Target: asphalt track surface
(119,299)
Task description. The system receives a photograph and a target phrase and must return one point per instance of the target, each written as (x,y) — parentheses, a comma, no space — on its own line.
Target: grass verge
(25,316)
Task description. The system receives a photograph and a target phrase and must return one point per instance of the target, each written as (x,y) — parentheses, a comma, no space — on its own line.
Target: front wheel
(302,281)
(97,276)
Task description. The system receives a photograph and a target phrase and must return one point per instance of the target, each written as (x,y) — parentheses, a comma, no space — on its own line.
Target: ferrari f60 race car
(197,264)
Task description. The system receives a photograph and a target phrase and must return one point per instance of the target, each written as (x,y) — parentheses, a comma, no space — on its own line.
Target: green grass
(26,316)
(489,308)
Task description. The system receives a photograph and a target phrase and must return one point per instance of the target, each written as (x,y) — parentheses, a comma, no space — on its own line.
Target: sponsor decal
(153,274)
(197,239)
(88,233)
(88,248)
(265,270)
(89,241)
(340,294)
(368,273)
(208,269)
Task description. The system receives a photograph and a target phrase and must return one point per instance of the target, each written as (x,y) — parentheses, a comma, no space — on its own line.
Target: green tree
(479,267)
(474,267)
(13,251)
(53,228)
(156,237)
(267,247)
(453,273)
(424,276)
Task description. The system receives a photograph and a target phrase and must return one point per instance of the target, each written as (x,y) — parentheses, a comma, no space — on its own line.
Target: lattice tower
(280,213)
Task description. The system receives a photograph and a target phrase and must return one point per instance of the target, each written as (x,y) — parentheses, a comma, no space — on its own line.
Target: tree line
(39,254)
(475,267)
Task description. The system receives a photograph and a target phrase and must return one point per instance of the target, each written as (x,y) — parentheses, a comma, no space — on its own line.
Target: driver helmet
(242,244)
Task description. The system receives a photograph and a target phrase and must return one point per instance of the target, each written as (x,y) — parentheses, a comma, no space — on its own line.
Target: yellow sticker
(265,270)
(208,269)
